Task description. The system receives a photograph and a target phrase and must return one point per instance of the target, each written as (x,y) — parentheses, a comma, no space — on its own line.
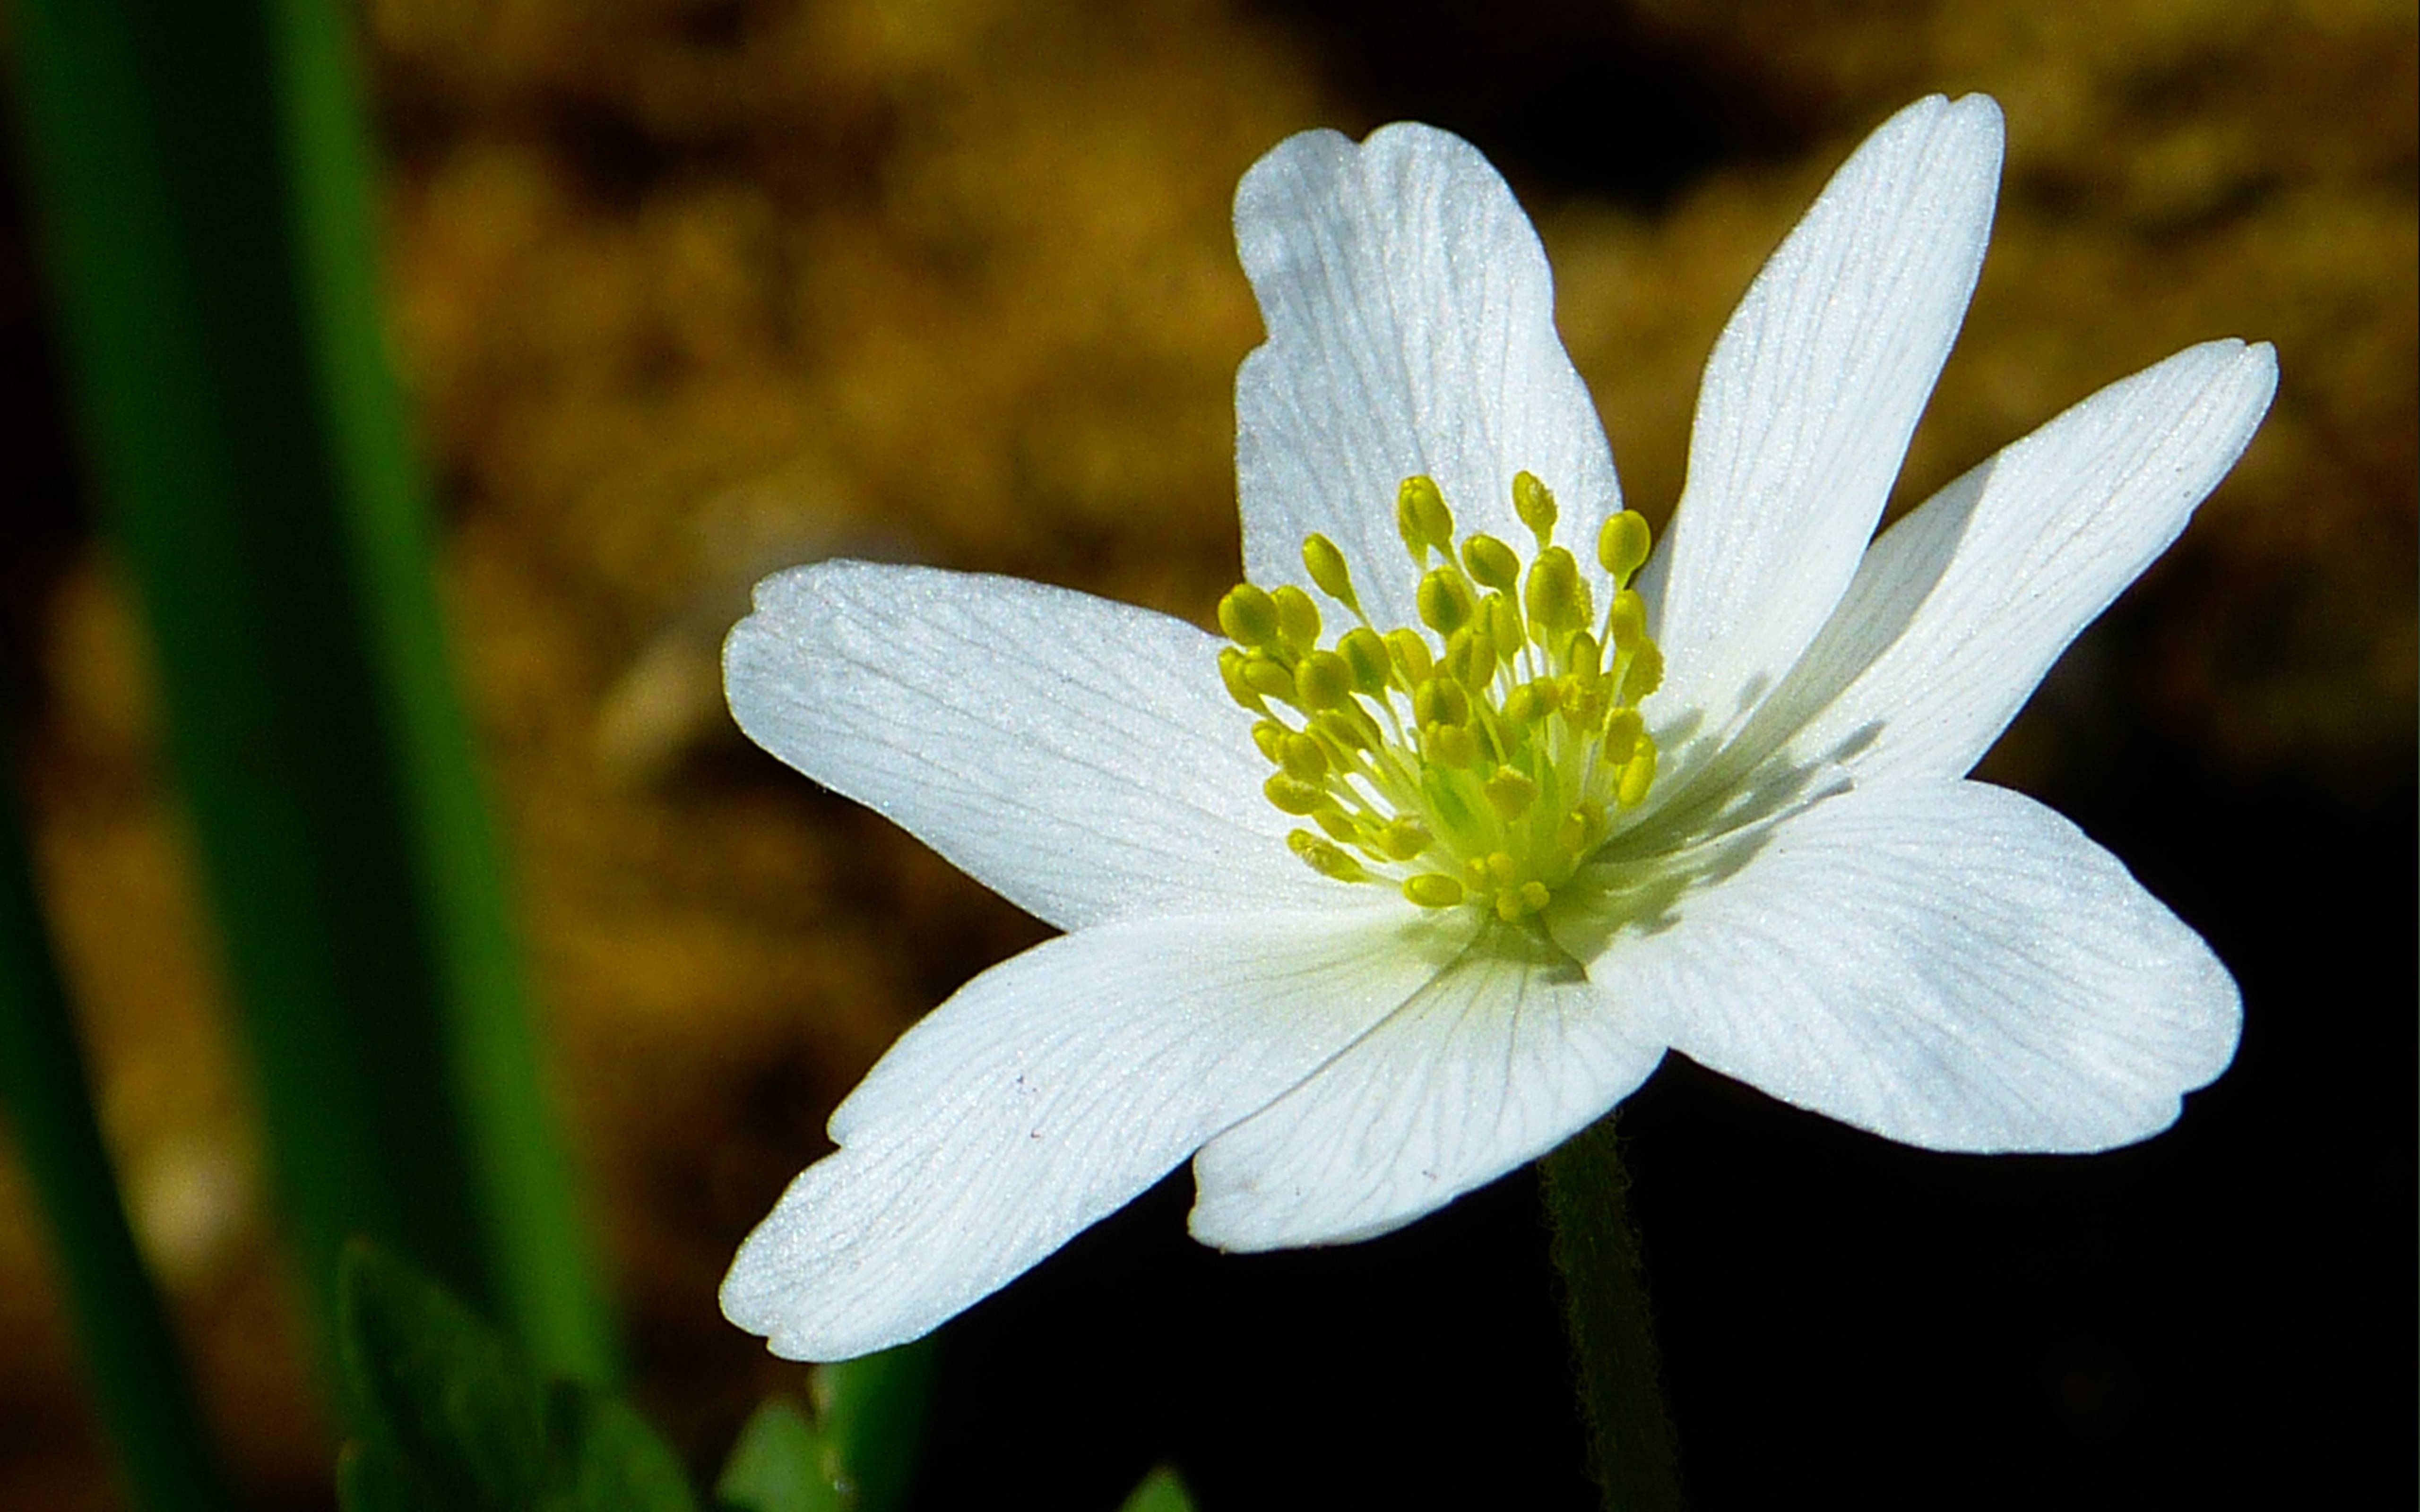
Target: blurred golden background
(687,290)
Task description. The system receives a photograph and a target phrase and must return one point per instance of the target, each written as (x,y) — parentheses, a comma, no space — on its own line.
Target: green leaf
(437,1391)
(782,1463)
(1160,1491)
(455,1421)
(602,1456)
(873,1408)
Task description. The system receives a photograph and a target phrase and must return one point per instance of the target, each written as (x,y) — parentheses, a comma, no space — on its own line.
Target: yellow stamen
(1327,569)
(1365,652)
(1422,517)
(1621,546)
(1430,891)
(1324,680)
(1491,563)
(1249,616)
(1302,758)
(1444,601)
(1535,505)
(1297,618)
(1479,757)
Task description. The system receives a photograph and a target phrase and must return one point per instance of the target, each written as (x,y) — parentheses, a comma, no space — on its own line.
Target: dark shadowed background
(689,289)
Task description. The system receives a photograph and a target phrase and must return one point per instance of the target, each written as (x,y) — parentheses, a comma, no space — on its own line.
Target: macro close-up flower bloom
(1483,801)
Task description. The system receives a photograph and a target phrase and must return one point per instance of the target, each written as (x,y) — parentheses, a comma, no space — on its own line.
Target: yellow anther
(1302,758)
(1448,745)
(1534,700)
(1624,729)
(1639,775)
(1348,727)
(1409,526)
(1231,672)
(1405,839)
(1298,617)
(1249,616)
(1625,623)
(1267,677)
(1555,599)
(1471,657)
(1621,546)
(1503,868)
(1430,891)
(1365,652)
(1422,519)
(1646,673)
(1444,601)
(1483,658)
(1491,563)
(1535,504)
(1583,656)
(1509,793)
(1584,700)
(1410,655)
(1441,700)
(1338,823)
(1508,906)
(1326,860)
(1504,625)
(1533,896)
(1322,681)
(1476,876)
(1292,794)
(1271,737)
(1327,569)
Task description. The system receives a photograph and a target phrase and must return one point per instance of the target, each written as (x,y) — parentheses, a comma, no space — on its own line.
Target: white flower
(1535,880)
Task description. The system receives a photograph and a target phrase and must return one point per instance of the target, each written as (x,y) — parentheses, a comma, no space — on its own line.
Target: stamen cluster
(1480,762)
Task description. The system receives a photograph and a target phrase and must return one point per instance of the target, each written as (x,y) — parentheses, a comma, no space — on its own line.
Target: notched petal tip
(1409,313)
(1971,124)
(2260,360)
(1324,153)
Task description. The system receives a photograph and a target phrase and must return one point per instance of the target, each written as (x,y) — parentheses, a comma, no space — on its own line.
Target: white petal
(1495,1063)
(1077,756)
(1411,322)
(1808,401)
(1943,962)
(1960,608)
(1044,1095)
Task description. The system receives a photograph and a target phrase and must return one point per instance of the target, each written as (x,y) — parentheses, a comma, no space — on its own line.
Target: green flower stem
(199,173)
(136,1376)
(1604,1310)
(873,1408)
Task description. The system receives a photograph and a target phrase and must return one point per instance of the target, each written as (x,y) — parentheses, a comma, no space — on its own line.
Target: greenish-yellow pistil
(1478,761)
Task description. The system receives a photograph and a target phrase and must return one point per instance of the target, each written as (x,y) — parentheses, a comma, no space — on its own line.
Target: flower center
(1479,762)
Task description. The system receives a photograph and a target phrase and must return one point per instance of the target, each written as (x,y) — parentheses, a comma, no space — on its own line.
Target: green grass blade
(136,1376)
(199,182)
